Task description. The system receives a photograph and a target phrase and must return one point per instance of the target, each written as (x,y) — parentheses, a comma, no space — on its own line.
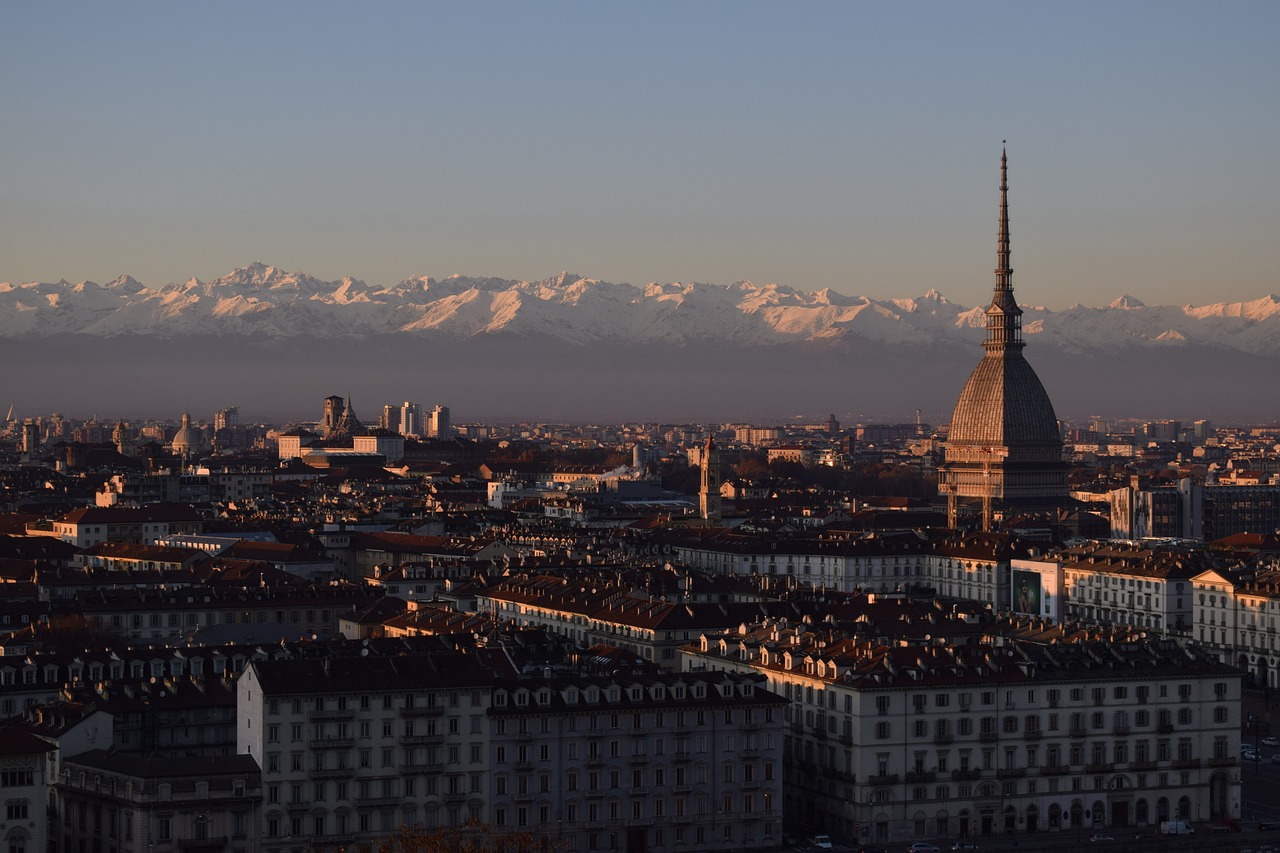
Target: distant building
(440,426)
(410,420)
(709,492)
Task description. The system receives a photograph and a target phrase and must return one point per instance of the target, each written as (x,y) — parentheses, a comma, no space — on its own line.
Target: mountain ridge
(263,300)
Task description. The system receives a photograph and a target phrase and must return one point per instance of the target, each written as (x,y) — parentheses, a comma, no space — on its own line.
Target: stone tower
(1004,449)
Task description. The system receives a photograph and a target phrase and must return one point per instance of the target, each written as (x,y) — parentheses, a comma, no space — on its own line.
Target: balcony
(331,716)
(373,801)
(333,838)
(422,767)
(638,759)
(966,775)
(333,773)
(1228,761)
(421,740)
(887,779)
(423,711)
(943,738)
(195,844)
(1077,730)
(988,737)
(332,743)
(1186,764)
(1100,767)
(1033,734)
(1164,728)
(1054,770)
(1143,765)
(1011,773)
(920,776)
(846,740)
(1120,729)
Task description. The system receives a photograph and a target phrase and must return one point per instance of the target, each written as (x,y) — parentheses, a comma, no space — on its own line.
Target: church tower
(1003,449)
(709,494)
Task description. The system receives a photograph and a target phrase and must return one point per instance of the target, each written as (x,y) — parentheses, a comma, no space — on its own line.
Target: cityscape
(724,542)
(334,635)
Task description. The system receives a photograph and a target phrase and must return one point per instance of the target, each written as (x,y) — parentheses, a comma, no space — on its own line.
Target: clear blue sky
(845,145)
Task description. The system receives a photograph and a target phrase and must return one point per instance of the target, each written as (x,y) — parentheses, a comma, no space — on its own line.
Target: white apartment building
(1236,619)
(352,748)
(889,741)
(658,763)
(974,566)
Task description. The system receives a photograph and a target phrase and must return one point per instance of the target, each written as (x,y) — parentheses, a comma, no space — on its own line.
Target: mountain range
(260,300)
(580,348)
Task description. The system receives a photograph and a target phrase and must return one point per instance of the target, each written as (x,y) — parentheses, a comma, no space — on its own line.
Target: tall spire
(1004,317)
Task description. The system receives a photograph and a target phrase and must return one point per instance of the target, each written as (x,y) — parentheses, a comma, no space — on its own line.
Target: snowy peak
(1126,303)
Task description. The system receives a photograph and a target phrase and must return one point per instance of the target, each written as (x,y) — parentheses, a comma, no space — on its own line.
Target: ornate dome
(1004,404)
(187,438)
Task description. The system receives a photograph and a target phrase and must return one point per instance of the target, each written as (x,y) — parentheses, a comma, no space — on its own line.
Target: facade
(1106,583)
(973,566)
(1236,619)
(658,763)
(1192,510)
(88,526)
(1003,449)
(440,426)
(352,748)
(410,420)
(28,765)
(135,804)
(892,741)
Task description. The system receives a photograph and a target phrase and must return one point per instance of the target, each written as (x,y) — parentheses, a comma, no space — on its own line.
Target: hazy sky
(850,145)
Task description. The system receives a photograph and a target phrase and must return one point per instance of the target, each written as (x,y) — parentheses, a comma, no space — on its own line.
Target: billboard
(1035,589)
(1028,593)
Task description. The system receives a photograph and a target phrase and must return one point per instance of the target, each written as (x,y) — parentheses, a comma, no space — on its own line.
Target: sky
(850,145)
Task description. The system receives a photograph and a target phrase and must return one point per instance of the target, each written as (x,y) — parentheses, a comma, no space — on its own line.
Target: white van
(1176,827)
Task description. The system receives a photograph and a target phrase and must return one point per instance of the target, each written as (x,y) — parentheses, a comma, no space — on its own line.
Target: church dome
(187,438)
(1004,404)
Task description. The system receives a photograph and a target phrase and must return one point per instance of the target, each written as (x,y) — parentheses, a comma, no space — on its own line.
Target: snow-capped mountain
(265,302)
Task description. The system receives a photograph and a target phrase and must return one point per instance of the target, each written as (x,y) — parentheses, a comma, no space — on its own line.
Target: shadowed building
(1004,450)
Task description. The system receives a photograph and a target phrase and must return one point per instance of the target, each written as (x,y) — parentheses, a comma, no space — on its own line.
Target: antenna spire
(1004,317)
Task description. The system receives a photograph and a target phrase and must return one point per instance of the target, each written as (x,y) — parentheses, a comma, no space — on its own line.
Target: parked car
(965,845)
(1098,836)
(922,847)
(822,842)
(1271,741)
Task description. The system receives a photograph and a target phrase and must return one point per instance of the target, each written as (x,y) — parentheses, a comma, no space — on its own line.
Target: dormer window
(500,700)
(522,698)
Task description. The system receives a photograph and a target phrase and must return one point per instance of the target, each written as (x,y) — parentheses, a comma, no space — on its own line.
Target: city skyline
(825,146)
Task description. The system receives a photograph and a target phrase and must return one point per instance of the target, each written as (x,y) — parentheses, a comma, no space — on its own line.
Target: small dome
(187,439)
